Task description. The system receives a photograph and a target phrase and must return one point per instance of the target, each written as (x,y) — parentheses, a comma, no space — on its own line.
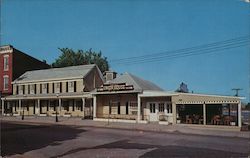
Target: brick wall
(23,62)
(8,73)
(19,63)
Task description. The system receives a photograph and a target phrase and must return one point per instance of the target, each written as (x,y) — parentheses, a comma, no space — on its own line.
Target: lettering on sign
(115,87)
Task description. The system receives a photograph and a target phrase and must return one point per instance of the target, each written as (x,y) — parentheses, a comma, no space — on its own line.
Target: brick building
(14,63)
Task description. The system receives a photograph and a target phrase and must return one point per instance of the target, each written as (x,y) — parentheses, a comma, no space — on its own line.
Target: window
(79,105)
(28,89)
(17,87)
(58,87)
(133,105)
(161,107)
(67,86)
(6,82)
(65,105)
(21,89)
(6,62)
(51,106)
(126,108)
(113,107)
(72,86)
(169,108)
(53,87)
(45,87)
(152,107)
(32,88)
(119,108)
(41,88)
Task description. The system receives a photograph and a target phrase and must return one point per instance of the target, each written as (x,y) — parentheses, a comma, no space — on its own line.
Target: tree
(70,57)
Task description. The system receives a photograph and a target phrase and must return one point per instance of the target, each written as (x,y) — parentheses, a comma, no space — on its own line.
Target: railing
(121,116)
(117,116)
(145,117)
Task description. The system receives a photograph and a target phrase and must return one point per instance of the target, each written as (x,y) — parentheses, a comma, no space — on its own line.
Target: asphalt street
(52,141)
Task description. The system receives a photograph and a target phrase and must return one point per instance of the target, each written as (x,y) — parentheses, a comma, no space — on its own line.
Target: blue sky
(128,28)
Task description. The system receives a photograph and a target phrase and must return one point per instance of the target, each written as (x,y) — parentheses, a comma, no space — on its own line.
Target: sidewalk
(184,129)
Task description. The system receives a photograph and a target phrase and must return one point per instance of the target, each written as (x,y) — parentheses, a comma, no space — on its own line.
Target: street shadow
(122,144)
(20,138)
(161,151)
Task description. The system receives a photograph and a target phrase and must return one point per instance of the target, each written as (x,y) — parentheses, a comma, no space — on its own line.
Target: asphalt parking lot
(52,141)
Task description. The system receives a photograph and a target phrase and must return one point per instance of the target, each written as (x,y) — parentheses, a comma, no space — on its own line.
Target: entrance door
(153,110)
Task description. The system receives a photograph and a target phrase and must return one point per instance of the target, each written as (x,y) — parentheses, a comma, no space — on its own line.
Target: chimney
(109,75)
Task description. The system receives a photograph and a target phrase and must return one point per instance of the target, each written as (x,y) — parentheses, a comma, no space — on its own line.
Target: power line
(177,54)
(181,56)
(243,38)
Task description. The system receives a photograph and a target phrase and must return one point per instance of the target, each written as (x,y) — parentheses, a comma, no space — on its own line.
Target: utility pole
(237,91)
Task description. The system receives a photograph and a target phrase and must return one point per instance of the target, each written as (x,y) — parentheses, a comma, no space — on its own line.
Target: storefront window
(114,107)
(52,106)
(222,114)
(169,108)
(190,113)
(161,107)
(65,105)
(152,107)
(133,108)
(79,105)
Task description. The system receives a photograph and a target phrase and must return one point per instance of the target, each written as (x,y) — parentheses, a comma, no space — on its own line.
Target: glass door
(153,110)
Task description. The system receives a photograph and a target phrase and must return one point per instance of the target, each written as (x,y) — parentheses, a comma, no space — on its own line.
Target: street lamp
(3,105)
(23,114)
(57,95)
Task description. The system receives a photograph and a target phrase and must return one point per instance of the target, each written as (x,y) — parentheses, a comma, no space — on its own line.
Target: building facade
(80,91)
(128,98)
(62,91)
(14,63)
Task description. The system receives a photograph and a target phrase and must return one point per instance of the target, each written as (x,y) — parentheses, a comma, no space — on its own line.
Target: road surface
(52,141)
